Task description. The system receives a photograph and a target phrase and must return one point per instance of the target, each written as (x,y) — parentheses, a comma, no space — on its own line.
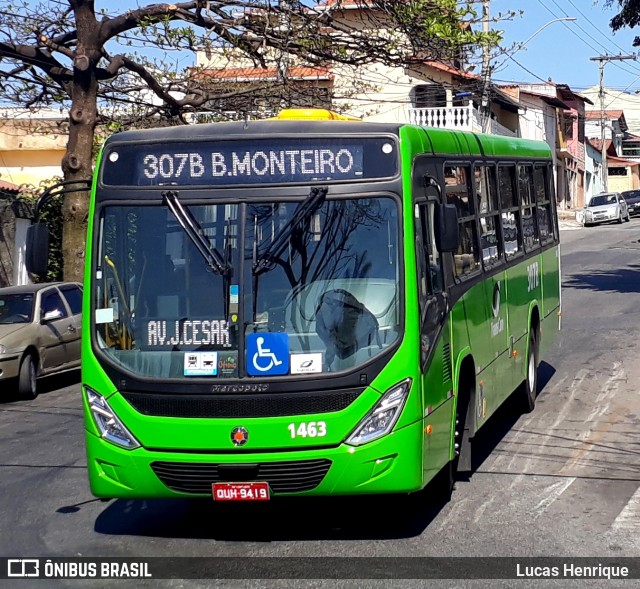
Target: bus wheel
(530,386)
(27,384)
(442,484)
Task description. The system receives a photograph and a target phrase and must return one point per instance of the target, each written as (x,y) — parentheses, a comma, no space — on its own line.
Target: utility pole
(602,60)
(485,107)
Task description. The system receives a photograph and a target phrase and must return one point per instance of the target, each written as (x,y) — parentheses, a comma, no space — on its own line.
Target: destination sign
(254,161)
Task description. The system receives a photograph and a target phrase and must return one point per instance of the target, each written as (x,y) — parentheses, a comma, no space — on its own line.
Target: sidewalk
(569,225)
(567,221)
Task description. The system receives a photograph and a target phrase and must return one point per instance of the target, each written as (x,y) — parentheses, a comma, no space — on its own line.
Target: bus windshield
(322,272)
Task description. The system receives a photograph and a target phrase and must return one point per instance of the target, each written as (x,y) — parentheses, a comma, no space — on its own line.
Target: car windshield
(315,277)
(631,195)
(16,308)
(602,199)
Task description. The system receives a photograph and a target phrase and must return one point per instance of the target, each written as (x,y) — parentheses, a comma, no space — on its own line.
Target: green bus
(302,306)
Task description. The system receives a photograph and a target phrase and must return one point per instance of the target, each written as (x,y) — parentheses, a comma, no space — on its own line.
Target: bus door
(435,340)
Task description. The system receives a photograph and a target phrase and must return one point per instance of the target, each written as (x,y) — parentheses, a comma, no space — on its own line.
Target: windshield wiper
(300,217)
(195,233)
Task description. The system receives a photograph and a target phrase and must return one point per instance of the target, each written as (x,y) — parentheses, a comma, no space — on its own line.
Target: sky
(561,50)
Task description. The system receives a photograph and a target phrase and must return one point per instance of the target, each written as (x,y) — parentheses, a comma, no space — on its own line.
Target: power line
(594,26)
(583,40)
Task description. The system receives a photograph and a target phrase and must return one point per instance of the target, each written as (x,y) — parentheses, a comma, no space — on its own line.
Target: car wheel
(27,382)
(620,218)
(628,217)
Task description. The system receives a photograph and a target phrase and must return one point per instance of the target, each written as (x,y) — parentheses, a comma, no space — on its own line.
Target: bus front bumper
(392,464)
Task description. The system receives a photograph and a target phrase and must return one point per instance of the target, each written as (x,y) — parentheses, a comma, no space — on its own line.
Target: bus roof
(444,142)
(227,130)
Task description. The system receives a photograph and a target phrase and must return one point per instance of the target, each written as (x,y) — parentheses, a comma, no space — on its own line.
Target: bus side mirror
(446,228)
(37,255)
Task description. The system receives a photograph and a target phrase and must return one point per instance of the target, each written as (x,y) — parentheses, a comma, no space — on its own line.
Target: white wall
(616,100)
(593,166)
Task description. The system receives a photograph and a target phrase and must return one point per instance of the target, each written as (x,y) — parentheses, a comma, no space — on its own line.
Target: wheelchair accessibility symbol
(267,354)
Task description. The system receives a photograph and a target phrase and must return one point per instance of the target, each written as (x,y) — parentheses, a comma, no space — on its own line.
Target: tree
(104,66)
(629,16)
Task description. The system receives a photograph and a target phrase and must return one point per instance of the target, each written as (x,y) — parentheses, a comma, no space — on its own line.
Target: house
(615,126)
(617,101)
(622,149)
(623,174)
(546,104)
(593,183)
(438,94)
(32,144)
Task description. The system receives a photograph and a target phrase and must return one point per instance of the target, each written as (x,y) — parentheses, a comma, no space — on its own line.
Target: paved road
(562,481)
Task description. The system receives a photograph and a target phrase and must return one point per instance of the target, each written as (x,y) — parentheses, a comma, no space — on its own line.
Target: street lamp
(544,26)
(520,46)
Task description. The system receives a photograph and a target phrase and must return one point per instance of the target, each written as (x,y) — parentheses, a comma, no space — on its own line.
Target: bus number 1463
(312,429)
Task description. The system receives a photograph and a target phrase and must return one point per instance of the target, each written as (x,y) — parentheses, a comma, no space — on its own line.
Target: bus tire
(27,382)
(462,462)
(530,385)
(441,487)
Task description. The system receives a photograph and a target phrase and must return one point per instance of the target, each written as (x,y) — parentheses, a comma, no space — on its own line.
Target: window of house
(567,127)
(429,95)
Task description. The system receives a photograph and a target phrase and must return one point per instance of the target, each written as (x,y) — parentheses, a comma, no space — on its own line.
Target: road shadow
(622,280)
(503,420)
(372,517)
(46,384)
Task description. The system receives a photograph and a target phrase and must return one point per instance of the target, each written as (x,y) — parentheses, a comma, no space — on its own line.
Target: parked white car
(606,207)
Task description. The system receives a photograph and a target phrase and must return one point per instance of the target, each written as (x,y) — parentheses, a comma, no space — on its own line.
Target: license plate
(240,491)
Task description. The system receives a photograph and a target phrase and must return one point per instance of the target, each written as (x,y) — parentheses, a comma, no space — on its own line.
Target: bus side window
(510,211)
(458,192)
(489,215)
(530,235)
(543,202)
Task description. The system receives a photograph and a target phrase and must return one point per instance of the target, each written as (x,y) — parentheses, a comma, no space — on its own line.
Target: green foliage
(628,16)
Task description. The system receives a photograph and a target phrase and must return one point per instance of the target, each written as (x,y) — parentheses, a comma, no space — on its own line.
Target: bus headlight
(111,428)
(381,419)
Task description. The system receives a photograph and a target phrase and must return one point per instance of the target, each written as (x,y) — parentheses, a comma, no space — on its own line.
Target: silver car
(605,207)
(40,327)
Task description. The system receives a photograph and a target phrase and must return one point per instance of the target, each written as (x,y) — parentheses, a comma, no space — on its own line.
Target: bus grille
(283,477)
(446,363)
(240,405)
